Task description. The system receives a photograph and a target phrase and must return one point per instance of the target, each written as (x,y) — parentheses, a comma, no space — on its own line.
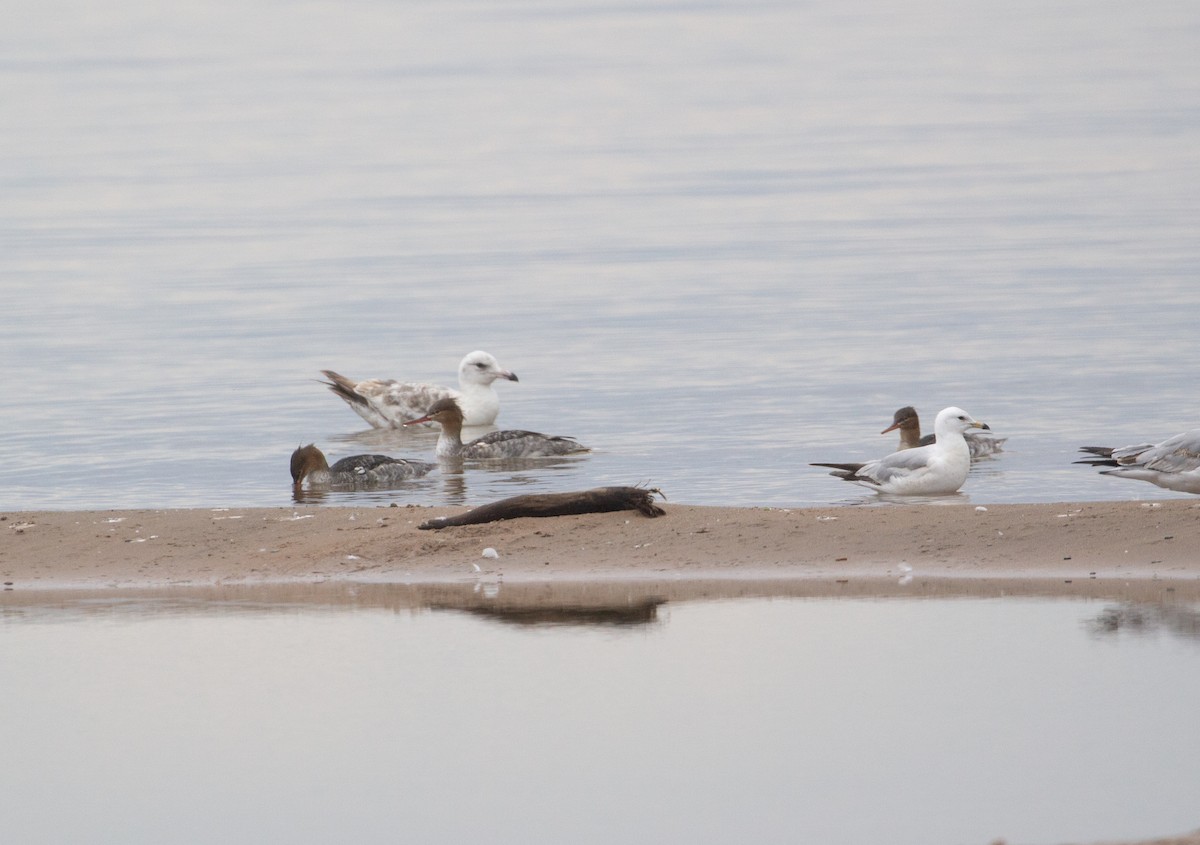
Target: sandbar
(1029,546)
(599,569)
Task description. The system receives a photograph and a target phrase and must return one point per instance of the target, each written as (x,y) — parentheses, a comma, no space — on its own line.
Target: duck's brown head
(305,461)
(905,419)
(445,412)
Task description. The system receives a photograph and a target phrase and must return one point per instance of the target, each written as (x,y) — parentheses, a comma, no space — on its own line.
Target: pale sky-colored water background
(715,240)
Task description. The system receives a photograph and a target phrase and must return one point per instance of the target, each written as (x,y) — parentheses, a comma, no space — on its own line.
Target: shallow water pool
(460,717)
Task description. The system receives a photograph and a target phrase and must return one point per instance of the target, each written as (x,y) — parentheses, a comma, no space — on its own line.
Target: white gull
(935,470)
(1173,464)
(906,419)
(387,403)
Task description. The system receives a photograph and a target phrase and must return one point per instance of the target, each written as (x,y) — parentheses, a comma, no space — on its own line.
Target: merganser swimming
(495,444)
(309,464)
(906,419)
(387,403)
(1173,464)
(935,470)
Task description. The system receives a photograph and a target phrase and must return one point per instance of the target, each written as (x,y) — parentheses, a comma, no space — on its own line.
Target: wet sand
(600,569)
(1027,546)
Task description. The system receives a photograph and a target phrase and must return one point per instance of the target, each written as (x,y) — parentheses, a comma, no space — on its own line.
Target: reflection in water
(869,498)
(643,612)
(491,594)
(426,485)
(746,720)
(454,488)
(602,606)
(1180,620)
(414,440)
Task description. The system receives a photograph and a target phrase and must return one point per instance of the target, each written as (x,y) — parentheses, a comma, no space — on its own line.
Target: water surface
(717,241)
(788,720)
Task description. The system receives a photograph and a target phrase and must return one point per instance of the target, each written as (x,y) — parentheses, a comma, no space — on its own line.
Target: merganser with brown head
(508,444)
(981,445)
(936,470)
(358,471)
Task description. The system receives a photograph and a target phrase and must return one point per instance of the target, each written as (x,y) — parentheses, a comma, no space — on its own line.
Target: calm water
(848,721)
(716,240)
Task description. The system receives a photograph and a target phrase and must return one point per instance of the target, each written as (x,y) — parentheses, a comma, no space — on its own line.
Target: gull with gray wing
(1173,464)
(906,419)
(935,470)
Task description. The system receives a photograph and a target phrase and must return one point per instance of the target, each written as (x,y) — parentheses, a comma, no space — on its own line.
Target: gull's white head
(955,421)
(481,368)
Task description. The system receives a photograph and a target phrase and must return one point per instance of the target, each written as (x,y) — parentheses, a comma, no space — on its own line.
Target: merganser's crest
(388,403)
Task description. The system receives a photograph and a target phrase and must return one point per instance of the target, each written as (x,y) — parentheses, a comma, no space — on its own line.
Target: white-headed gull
(906,419)
(935,470)
(1173,464)
(387,403)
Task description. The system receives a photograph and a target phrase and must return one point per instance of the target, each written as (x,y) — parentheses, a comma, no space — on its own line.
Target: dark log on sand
(599,500)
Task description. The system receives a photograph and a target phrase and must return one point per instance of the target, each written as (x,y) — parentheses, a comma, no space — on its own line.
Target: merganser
(495,444)
(935,470)
(309,464)
(387,403)
(1173,464)
(906,419)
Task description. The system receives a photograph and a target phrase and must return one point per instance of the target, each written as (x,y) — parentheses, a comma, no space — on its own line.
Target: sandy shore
(1036,547)
(615,568)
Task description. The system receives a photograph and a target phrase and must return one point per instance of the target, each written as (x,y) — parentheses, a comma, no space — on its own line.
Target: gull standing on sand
(387,403)
(1173,464)
(906,419)
(494,444)
(935,470)
(309,464)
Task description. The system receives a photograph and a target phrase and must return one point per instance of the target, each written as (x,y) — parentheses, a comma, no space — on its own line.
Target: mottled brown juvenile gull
(388,403)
